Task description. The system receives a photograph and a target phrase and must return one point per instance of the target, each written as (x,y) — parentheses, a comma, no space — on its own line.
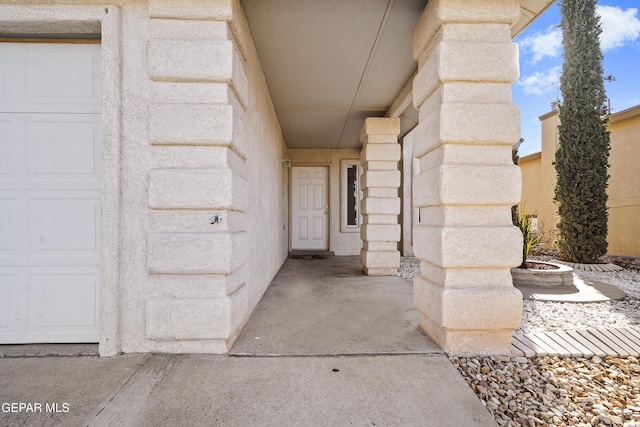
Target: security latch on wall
(215,218)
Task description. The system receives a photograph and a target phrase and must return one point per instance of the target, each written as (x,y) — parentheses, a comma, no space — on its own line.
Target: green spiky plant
(530,238)
(581,160)
(514,209)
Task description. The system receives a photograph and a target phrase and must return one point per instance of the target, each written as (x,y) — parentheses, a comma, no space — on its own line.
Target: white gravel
(552,391)
(541,316)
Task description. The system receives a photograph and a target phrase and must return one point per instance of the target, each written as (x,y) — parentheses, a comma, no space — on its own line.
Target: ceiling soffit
(330,64)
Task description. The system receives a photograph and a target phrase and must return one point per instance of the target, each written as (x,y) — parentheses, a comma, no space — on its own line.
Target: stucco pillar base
(464,320)
(380,271)
(466,342)
(380,263)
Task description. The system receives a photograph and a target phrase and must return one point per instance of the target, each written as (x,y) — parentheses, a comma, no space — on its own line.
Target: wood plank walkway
(589,267)
(601,342)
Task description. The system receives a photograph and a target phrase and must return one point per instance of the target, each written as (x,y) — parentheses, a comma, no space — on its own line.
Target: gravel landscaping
(551,391)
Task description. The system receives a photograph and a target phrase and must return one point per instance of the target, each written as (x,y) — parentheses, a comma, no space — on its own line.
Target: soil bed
(530,265)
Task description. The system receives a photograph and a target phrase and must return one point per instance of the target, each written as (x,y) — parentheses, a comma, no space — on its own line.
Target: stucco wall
(188,130)
(231,263)
(342,243)
(624,184)
(538,181)
(538,178)
(267,214)
(533,194)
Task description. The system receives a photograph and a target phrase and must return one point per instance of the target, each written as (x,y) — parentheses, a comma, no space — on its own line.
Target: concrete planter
(561,276)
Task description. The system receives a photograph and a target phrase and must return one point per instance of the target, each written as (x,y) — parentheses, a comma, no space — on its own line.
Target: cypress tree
(582,156)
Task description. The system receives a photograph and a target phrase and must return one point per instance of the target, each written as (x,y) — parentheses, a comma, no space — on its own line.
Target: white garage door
(49,192)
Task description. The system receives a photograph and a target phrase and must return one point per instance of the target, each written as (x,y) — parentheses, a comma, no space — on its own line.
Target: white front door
(50,192)
(310,207)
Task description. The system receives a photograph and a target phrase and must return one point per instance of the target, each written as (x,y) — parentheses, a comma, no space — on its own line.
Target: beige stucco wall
(341,241)
(624,183)
(188,130)
(211,49)
(267,178)
(532,192)
(538,180)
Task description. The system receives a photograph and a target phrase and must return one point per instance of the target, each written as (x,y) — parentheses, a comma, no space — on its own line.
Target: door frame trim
(103,19)
(290,184)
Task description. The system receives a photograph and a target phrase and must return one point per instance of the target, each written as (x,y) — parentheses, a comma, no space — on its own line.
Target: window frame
(344,194)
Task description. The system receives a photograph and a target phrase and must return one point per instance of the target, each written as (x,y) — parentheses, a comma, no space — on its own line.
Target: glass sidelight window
(352,195)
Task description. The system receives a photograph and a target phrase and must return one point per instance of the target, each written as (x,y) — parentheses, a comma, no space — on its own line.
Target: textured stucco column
(197,299)
(380,207)
(467,181)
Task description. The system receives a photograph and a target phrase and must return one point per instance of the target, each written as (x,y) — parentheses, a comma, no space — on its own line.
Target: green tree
(582,157)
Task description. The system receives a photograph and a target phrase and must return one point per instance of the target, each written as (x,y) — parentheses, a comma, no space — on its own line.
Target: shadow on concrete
(329,307)
(582,291)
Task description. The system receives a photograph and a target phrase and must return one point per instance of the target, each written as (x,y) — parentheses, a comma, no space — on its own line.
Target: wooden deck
(618,342)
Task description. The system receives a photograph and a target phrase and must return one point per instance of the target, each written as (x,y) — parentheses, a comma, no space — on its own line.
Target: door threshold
(310,254)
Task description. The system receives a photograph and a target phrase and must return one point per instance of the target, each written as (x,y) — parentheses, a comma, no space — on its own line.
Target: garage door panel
(13,223)
(57,149)
(7,231)
(12,220)
(50,192)
(4,150)
(48,77)
(13,311)
(3,73)
(11,69)
(8,303)
(57,75)
(64,231)
(67,301)
(50,152)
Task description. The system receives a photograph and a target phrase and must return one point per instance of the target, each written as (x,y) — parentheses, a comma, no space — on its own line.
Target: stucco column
(467,181)
(196,299)
(380,207)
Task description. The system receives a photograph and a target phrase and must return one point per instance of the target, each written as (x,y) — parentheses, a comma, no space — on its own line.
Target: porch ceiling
(330,64)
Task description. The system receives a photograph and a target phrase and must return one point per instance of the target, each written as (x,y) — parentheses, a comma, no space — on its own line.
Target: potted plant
(536,273)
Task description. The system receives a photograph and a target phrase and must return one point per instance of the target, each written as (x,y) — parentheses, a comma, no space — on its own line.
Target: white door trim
(309,208)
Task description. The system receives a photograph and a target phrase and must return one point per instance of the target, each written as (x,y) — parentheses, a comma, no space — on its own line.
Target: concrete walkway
(582,290)
(350,355)
(206,390)
(329,307)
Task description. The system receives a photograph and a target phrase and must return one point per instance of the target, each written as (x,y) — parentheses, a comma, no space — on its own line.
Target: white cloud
(540,83)
(619,27)
(543,44)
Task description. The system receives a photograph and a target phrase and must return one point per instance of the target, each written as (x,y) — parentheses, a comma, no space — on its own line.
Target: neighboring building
(131,124)
(539,175)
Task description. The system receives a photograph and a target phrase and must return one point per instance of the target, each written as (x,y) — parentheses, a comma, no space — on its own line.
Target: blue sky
(541,64)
